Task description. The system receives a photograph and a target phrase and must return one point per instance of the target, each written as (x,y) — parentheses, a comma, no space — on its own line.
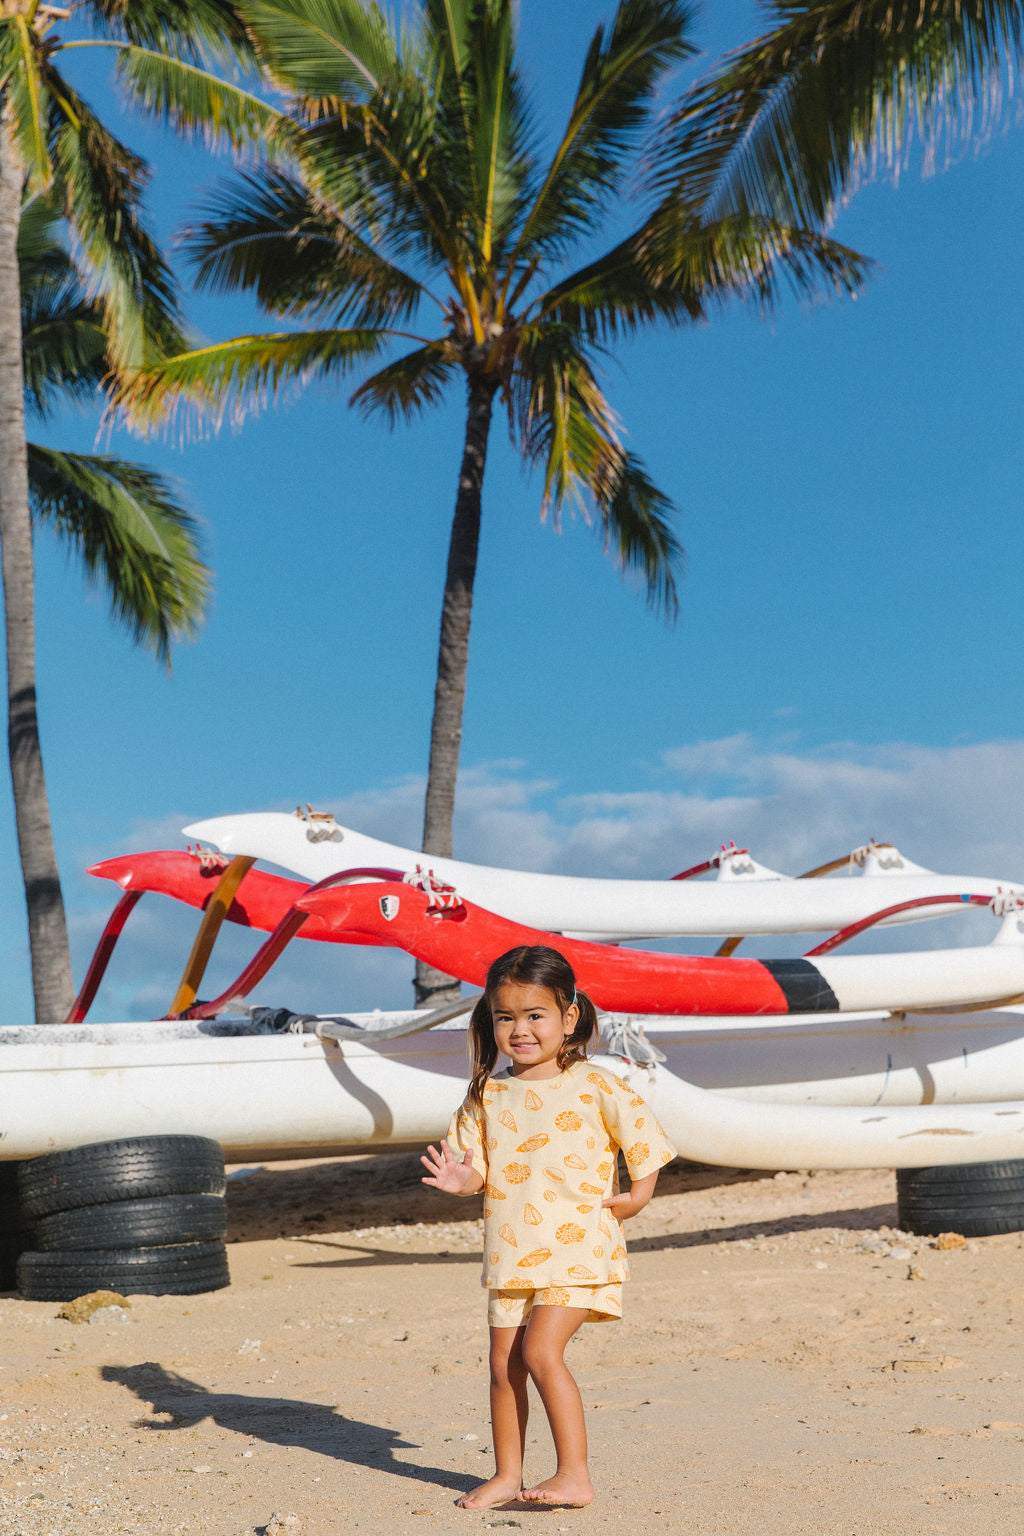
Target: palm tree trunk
(433,987)
(47,929)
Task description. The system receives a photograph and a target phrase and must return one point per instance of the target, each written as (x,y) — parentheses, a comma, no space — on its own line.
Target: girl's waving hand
(454,1175)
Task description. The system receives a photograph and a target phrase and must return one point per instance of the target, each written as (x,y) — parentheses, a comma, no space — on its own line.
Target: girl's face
(529,1026)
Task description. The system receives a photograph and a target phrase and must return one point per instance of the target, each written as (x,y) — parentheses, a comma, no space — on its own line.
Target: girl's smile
(529,1027)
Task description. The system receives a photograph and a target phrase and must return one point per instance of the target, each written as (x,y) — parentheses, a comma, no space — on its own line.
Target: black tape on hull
(804,987)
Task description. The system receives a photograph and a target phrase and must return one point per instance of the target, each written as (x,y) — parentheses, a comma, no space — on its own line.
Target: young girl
(541,1139)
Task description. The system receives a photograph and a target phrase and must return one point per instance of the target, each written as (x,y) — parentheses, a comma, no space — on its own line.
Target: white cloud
(954,809)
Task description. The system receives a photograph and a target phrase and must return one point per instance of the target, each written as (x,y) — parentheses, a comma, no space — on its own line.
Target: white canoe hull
(285,1096)
(746,898)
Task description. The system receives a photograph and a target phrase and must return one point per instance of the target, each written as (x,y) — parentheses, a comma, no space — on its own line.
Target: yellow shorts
(511,1309)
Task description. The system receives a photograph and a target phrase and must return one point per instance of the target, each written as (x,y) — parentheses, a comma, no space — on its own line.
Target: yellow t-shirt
(546,1149)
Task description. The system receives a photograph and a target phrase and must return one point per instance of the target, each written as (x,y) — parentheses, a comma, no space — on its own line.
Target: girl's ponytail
(483,1045)
(574,1046)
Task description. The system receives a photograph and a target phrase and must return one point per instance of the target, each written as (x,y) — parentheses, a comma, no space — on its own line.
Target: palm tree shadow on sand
(178,1403)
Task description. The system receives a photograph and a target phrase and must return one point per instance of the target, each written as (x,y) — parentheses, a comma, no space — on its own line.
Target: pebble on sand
(82,1308)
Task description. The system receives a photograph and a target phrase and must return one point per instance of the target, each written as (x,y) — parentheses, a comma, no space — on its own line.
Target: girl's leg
(508,1421)
(547,1333)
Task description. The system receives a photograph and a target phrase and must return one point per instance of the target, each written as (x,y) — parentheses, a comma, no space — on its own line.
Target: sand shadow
(178,1403)
(858,1218)
(356,1256)
(345,1194)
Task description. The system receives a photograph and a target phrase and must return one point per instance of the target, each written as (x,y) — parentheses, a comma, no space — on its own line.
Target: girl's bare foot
(496,1490)
(572,1489)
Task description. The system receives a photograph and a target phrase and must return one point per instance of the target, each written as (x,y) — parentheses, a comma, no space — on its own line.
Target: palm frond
(637,522)
(324,49)
(237,377)
(102,183)
(618,294)
(380,171)
(566,426)
(63,347)
(192,29)
(407,386)
(26,103)
(62,339)
(41,253)
(792,122)
(200,103)
(133,536)
(266,234)
(499,137)
(744,256)
(620,75)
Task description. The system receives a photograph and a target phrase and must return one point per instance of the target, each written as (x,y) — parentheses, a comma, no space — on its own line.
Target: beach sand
(788,1364)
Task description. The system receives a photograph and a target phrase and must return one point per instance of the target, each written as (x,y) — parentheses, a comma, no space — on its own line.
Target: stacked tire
(144,1216)
(12,1238)
(974,1199)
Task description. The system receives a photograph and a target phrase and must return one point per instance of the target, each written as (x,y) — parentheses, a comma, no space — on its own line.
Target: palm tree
(416,207)
(837,89)
(52,142)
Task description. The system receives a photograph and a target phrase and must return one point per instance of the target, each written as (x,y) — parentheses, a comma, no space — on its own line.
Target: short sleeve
(465,1133)
(633,1125)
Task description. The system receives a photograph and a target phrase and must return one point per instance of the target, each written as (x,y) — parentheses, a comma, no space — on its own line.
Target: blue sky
(848,488)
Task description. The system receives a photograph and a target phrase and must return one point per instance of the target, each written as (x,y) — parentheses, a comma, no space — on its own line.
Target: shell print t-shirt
(546,1150)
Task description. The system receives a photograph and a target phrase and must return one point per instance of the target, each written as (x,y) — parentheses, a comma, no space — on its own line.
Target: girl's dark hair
(532,965)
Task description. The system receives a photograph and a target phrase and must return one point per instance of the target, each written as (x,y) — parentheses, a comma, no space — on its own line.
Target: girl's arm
(454,1175)
(639,1193)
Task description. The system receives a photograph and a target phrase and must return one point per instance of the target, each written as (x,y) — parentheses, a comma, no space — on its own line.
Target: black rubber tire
(132,1224)
(11,1220)
(10,1251)
(179,1269)
(1003,1202)
(139,1168)
(956,1175)
(974,1199)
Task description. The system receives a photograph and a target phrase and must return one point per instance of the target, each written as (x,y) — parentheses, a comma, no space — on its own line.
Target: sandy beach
(788,1363)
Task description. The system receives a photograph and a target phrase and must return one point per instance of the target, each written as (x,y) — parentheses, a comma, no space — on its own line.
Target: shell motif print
(571,1160)
(516,1173)
(532,1215)
(568,1120)
(569,1232)
(493,1193)
(506,1232)
(532,1143)
(508,1120)
(599,1082)
(639,1152)
(533,1100)
(579,1274)
(538,1256)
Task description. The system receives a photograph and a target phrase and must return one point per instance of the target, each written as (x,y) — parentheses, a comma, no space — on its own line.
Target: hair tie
(573,1003)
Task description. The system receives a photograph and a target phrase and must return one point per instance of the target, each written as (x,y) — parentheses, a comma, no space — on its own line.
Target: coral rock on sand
(282,1525)
(82,1308)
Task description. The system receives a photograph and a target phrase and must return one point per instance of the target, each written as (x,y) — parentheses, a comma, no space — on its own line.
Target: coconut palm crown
(53,143)
(415,210)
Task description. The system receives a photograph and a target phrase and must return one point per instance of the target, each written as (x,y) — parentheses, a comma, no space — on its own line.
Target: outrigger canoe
(745,897)
(859,1093)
